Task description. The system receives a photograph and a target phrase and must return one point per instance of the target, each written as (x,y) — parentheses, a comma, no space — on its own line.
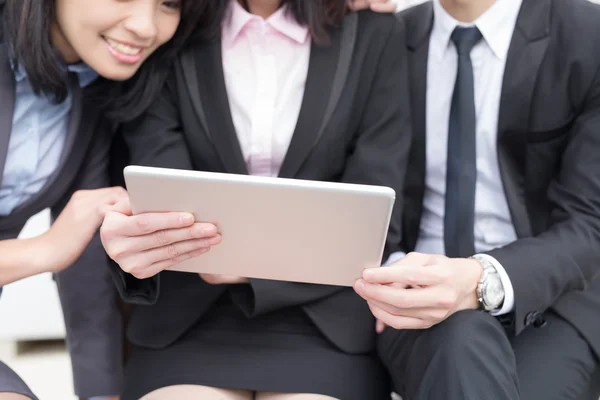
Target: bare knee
(193,392)
(292,396)
(13,396)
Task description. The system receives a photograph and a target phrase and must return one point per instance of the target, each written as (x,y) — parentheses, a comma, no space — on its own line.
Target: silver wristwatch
(490,291)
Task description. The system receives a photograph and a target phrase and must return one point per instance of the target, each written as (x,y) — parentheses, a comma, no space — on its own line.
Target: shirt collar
(238,18)
(85,74)
(496,25)
(19,72)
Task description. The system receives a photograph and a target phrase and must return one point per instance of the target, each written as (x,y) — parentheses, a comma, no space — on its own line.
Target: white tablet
(273,228)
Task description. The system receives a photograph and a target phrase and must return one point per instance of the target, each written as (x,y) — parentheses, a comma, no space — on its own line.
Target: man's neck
(466,10)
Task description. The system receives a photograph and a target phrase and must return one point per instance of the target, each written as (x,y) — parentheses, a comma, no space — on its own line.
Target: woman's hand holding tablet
(144,245)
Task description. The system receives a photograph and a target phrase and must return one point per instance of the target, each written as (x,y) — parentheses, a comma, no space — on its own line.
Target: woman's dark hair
(320,16)
(25,28)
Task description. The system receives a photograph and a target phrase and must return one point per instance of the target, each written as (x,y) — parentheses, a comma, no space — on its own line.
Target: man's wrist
(508,305)
(474,272)
(490,289)
(477,274)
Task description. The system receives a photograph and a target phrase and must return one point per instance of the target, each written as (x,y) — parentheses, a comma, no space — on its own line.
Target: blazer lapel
(74,118)
(317,92)
(348,40)
(190,72)
(213,99)
(7,104)
(527,50)
(419,26)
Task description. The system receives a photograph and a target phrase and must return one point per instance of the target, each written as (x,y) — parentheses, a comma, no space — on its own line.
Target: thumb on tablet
(123,206)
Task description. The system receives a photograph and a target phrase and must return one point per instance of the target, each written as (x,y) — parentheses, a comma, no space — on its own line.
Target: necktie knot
(465,39)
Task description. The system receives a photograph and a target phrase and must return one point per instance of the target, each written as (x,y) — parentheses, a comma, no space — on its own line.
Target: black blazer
(549,156)
(87,294)
(353,127)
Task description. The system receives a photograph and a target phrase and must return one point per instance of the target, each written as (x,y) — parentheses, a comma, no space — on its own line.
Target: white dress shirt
(493,224)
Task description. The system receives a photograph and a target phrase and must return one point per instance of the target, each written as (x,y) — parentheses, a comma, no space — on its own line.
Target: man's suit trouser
(470,357)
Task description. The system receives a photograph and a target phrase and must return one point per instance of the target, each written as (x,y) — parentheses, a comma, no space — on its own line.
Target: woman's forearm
(21,258)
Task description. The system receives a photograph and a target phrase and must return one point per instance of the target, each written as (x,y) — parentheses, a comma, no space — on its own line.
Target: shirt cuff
(394,257)
(101,397)
(509,293)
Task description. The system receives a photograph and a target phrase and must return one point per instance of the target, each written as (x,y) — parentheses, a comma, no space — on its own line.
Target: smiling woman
(129,31)
(65,67)
(112,37)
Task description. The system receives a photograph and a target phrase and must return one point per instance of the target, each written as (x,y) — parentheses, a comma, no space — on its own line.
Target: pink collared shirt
(265,64)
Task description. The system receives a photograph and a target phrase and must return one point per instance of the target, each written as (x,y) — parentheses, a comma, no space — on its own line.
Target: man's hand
(381,6)
(223,279)
(420,290)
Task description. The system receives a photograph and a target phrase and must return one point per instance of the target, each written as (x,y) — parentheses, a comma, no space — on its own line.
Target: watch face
(494,292)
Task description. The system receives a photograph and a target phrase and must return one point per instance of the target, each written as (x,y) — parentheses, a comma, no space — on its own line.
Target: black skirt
(10,382)
(279,352)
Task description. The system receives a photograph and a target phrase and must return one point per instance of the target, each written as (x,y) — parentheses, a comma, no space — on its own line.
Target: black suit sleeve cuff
(262,296)
(133,290)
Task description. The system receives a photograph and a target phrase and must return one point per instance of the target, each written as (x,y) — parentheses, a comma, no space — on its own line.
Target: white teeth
(123,48)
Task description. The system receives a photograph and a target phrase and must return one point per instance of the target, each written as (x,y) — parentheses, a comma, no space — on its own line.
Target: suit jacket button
(529,318)
(539,321)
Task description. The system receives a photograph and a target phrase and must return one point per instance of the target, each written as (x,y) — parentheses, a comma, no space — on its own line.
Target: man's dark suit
(88,298)
(346,131)
(549,157)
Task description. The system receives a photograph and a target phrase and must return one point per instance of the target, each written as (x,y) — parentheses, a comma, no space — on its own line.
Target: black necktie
(461,173)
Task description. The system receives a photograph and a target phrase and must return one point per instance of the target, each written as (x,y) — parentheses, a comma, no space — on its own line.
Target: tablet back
(273,228)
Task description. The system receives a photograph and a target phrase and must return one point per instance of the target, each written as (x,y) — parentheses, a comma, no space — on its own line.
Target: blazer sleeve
(566,256)
(154,139)
(379,157)
(92,315)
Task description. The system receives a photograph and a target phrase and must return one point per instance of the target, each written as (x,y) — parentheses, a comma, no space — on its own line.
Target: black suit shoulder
(573,49)
(378,36)
(576,16)
(376,23)
(576,25)
(378,27)
(415,13)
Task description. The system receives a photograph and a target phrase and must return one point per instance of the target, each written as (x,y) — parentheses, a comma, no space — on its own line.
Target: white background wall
(409,3)
(30,309)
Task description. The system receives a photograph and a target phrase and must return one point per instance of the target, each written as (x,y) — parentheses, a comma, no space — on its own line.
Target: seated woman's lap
(192,392)
(225,347)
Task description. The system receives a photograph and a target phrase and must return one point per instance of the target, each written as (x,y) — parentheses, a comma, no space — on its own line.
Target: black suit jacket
(549,156)
(88,298)
(353,126)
